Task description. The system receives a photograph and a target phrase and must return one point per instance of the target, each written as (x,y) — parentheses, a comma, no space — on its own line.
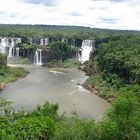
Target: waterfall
(17,52)
(72,43)
(11,49)
(3,45)
(46,41)
(30,41)
(8,44)
(41,41)
(65,40)
(78,56)
(38,57)
(86,49)
(11,52)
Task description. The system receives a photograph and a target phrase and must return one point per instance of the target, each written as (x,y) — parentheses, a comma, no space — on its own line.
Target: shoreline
(97,93)
(3,84)
(93,89)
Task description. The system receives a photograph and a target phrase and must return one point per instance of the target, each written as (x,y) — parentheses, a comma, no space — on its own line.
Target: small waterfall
(3,45)
(11,52)
(38,57)
(78,56)
(86,49)
(8,43)
(46,41)
(17,52)
(72,43)
(30,41)
(11,49)
(65,40)
(41,41)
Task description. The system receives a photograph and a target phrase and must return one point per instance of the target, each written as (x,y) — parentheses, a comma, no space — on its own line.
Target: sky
(111,14)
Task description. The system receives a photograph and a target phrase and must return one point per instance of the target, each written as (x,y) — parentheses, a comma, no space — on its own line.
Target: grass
(8,74)
(71,63)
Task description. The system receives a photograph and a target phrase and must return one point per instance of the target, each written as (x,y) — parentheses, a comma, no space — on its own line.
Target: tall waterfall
(17,52)
(3,44)
(38,57)
(46,41)
(11,49)
(86,49)
(11,52)
(41,41)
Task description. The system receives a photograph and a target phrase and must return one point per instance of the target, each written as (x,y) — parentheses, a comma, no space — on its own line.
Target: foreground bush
(43,123)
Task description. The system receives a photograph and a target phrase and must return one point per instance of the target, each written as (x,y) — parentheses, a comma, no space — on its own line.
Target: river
(62,86)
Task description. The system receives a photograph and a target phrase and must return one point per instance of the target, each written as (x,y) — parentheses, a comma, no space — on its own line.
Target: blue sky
(112,14)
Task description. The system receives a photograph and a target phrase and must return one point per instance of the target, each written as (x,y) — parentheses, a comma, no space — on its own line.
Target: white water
(38,57)
(87,47)
(41,42)
(9,43)
(17,52)
(3,45)
(46,41)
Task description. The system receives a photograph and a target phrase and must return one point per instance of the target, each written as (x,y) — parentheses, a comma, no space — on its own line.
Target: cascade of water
(87,47)
(38,57)
(63,40)
(18,40)
(78,56)
(30,41)
(11,52)
(73,43)
(17,52)
(11,49)
(46,41)
(3,45)
(41,41)
(6,43)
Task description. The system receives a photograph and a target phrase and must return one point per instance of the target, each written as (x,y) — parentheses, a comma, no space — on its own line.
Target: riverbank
(96,84)
(10,74)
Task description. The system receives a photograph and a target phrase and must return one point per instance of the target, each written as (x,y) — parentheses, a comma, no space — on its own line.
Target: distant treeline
(39,31)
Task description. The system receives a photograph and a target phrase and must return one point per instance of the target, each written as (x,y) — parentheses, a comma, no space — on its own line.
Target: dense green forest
(114,65)
(40,31)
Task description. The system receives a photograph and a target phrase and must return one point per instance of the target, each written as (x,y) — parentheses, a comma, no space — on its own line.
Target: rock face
(46,55)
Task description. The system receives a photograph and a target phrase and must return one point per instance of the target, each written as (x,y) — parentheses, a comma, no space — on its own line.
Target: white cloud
(117,14)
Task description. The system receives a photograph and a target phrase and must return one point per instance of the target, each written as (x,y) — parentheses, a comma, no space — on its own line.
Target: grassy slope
(9,74)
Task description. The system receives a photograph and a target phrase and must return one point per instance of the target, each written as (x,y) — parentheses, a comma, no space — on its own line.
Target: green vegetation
(8,74)
(62,51)
(71,63)
(115,65)
(26,46)
(43,123)
(68,63)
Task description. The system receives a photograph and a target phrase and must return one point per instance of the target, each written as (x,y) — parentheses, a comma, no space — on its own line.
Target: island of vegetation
(9,74)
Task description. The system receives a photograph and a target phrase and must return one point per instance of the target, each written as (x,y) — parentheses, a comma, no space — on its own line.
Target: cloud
(119,0)
(45,2)
(109,21)
(116,14)
(75,13)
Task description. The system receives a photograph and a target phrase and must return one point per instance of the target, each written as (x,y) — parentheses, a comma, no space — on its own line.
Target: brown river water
(62,86)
